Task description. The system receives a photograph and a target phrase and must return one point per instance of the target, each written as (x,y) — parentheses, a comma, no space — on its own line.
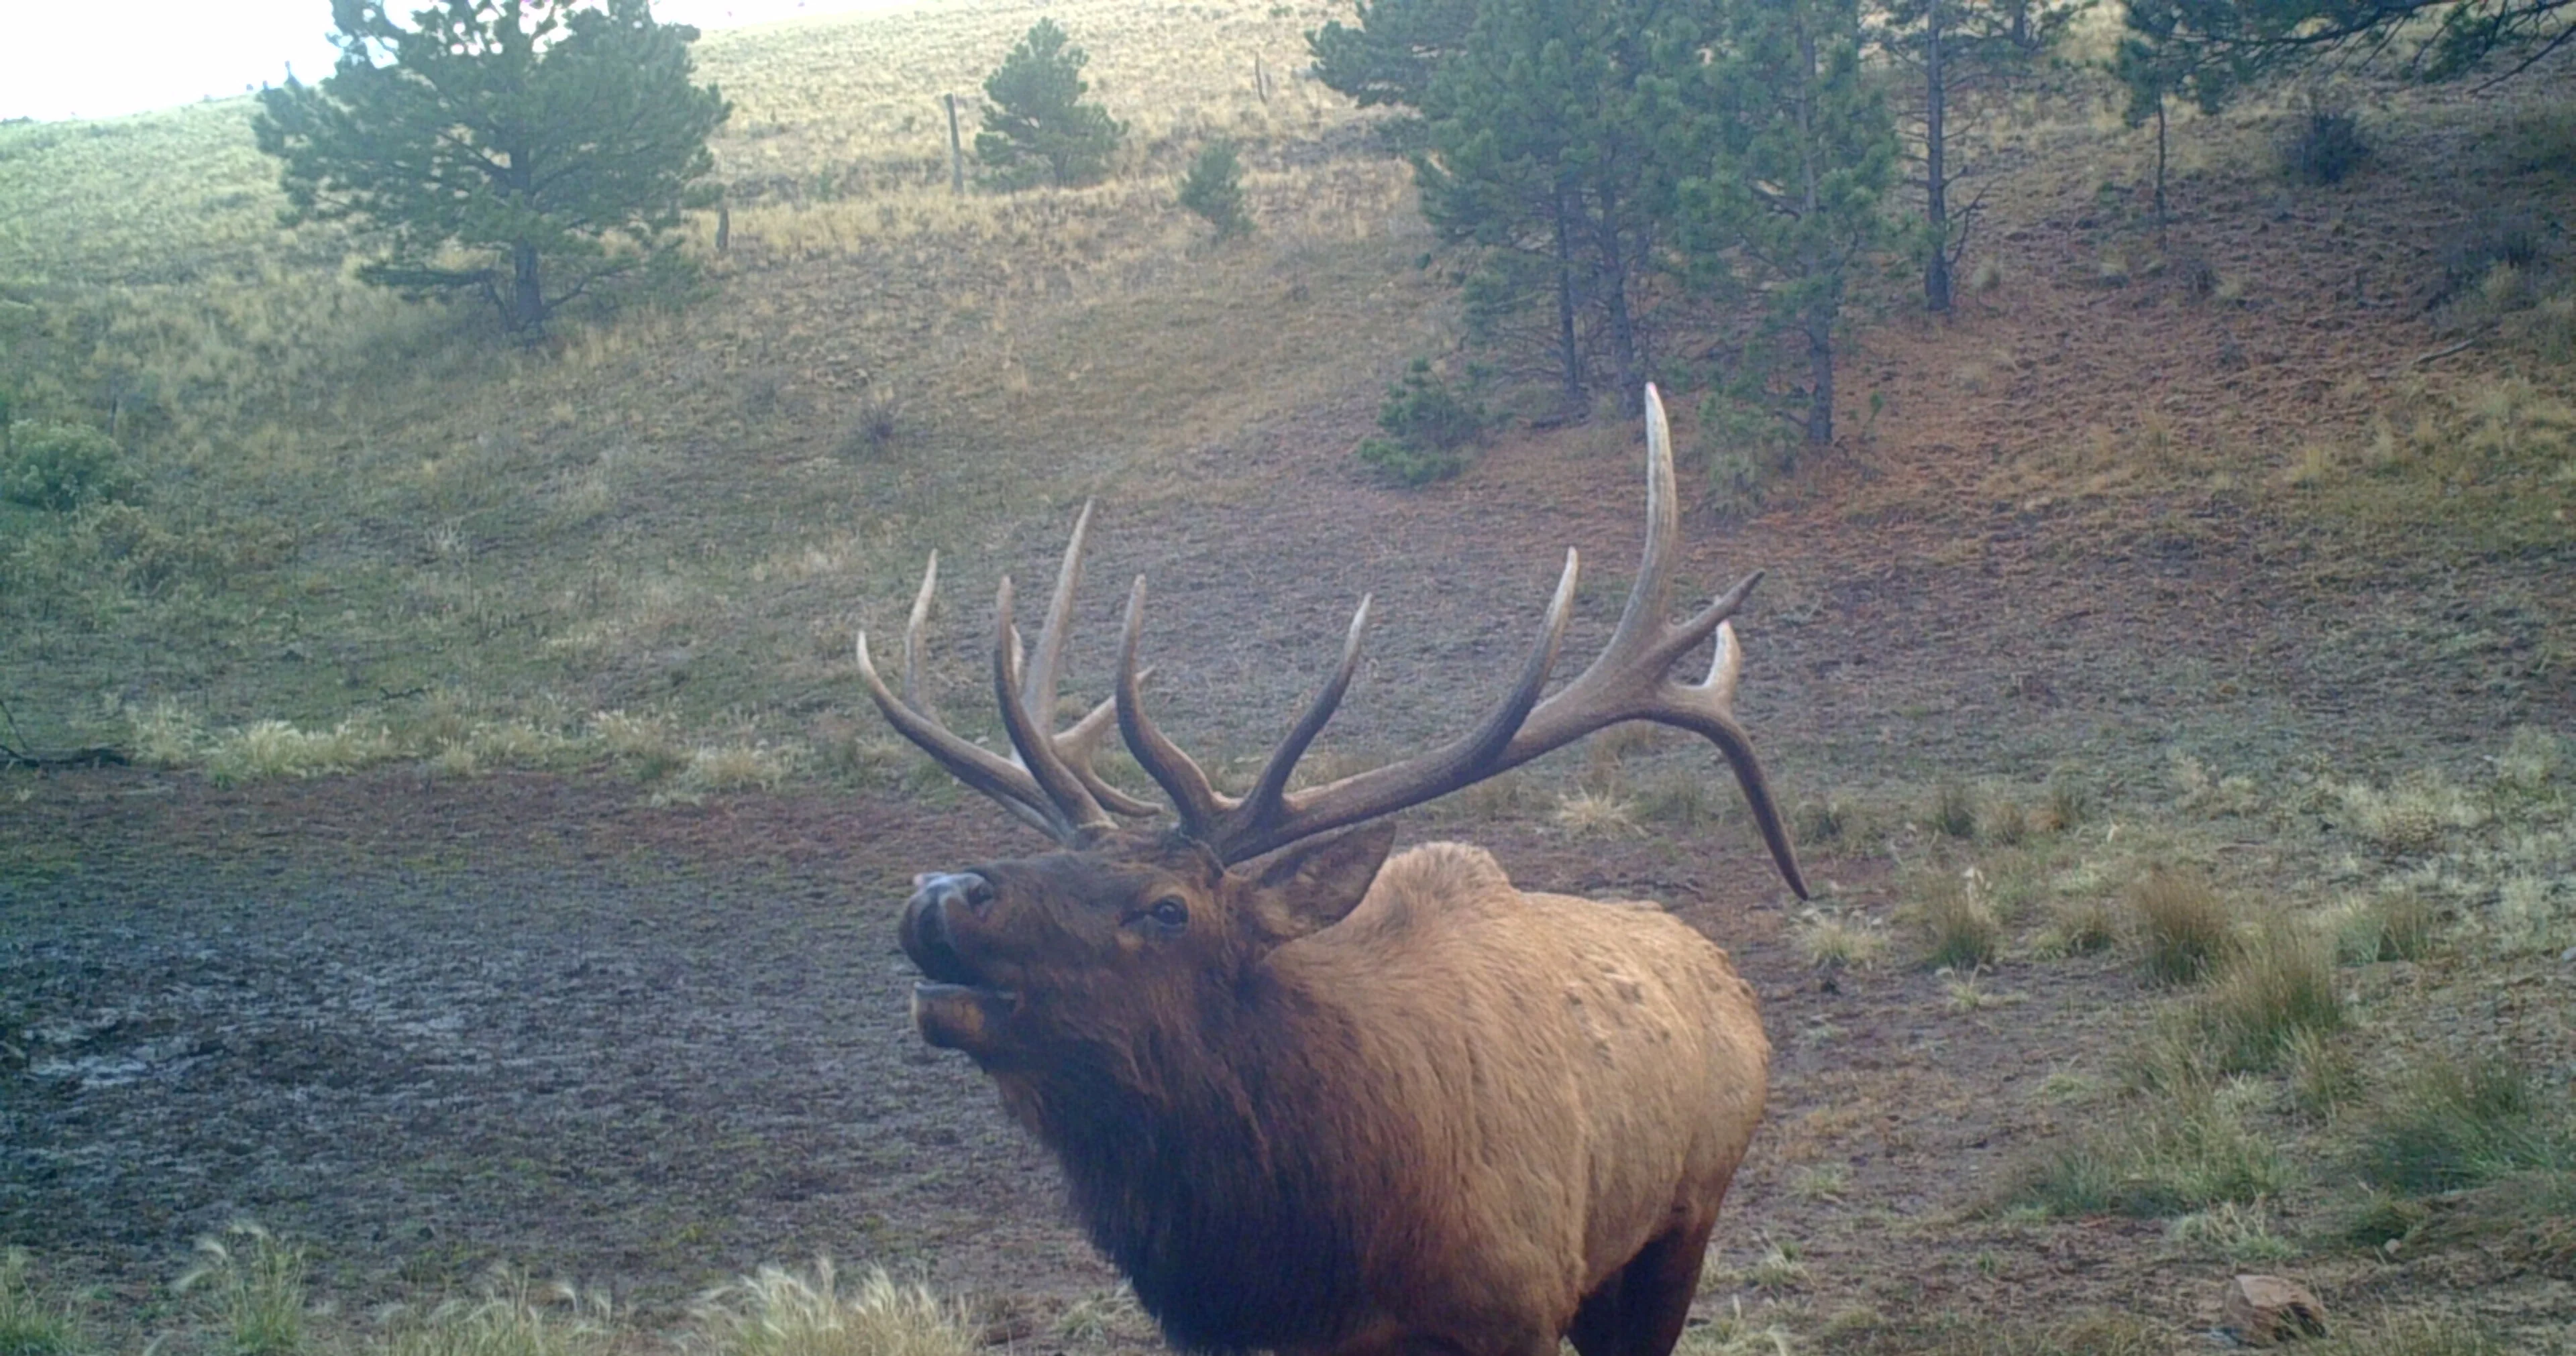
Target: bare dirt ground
(431,1025)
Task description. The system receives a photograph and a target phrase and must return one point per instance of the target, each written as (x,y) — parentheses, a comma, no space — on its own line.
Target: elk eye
(1169,913)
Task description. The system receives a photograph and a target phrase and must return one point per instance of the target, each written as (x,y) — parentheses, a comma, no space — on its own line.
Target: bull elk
(1314,1100)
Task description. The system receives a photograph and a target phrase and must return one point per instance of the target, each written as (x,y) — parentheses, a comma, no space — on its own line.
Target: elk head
(1129,938)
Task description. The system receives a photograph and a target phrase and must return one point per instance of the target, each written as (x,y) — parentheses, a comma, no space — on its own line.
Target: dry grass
(249,1287)
(2238,1233)
(2079,926)
(2182,925)
(2412,816)
(1953,922)
(1836,941)
(1597,814)
(2269,987)
(512,1317)
(781,1312)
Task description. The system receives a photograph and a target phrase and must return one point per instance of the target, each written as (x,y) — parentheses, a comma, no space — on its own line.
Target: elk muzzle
(953,1008)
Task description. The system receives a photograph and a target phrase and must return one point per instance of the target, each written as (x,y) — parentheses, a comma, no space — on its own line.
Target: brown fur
(1344,1109)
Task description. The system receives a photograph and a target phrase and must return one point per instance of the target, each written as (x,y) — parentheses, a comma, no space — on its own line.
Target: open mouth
(954,1006)
(961,1016)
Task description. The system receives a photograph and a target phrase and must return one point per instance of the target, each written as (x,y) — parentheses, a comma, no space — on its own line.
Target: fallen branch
(13,757)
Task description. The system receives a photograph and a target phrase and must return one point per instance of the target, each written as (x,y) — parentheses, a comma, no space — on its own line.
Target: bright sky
(105,58)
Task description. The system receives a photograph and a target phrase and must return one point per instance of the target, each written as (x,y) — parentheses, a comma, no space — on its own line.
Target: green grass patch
(248,1286)
(2178,1142)
(36,1319)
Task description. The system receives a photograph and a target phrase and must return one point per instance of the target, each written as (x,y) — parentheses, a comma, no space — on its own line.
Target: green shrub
(1745,447)
(1214,190)
(62,467)
(1431,425)
(2324,146)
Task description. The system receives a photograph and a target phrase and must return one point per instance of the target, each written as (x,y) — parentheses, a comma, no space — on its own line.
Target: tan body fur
(1582,1078)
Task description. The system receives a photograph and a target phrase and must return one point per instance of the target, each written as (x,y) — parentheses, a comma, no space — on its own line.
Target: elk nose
(936,892)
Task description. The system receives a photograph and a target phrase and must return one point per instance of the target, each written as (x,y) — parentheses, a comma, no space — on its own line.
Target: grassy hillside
(353,506)
(2172,673)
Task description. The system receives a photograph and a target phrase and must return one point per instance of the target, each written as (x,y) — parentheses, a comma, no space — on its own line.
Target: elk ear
(1312,885)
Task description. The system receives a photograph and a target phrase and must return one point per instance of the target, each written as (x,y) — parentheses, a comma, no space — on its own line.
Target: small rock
(2263,1310)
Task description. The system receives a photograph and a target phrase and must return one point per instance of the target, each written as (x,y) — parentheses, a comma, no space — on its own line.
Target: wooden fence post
(956,151)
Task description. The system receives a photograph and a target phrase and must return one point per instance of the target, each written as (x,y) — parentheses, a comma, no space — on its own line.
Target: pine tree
(1961,57)
(2160,59)
(1390,57)
(1037,120)
(1547,151)
(524,150)
(1214,190)
(1795,156)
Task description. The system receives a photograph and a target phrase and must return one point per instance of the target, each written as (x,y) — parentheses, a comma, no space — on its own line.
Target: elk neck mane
(1234,1163)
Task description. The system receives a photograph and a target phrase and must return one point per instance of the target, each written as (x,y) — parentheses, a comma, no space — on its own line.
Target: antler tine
(1193,796)
(1080,743)
(1630,680)
(1076,811)
(1385,790)
(1047,661)
(978,767)
(912,633)
(1264,802)
(1650,595)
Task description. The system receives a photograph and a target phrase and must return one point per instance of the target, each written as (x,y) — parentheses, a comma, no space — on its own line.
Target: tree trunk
(526,312)
(1815,259)
(1936,195)
(1567,351)
(1624,357)
(1820,373)
(2160,161)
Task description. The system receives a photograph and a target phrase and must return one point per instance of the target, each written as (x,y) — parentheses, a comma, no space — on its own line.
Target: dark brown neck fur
(1207,1165)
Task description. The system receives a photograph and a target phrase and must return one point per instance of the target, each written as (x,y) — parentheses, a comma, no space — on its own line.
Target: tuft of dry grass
(1109,1315)
(781,1312)
(1953,921)
(2393,924)
(2181,924)
(249,1286)
(1832,941)
(1597,814)
(270,749)
(2172,1148)
(2238,1233)
(2411,816)
(2271,986)
(2079,926)
(513,1317)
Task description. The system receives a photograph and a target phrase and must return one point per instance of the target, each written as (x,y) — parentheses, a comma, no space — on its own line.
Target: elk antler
(1049,781)
(1630,680)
